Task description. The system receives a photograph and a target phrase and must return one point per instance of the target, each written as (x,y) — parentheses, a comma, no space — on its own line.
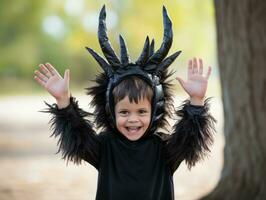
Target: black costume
(141,169)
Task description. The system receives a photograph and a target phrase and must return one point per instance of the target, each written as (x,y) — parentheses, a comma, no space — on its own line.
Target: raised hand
(48,77)
(196,83)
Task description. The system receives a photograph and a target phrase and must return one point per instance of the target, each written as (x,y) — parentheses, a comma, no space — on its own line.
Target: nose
(132,118)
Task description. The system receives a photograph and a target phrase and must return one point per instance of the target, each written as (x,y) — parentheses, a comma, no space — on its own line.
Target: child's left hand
(196,84)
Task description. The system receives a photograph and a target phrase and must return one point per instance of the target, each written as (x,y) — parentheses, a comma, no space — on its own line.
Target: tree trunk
(241,35)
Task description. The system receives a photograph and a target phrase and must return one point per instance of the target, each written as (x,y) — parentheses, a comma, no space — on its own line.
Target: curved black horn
(104,65)
(104,41)
(151,48)
(160,54)
(167,62)
(124,52)
(145,53)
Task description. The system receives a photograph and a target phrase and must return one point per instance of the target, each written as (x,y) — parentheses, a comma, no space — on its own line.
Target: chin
(133,138)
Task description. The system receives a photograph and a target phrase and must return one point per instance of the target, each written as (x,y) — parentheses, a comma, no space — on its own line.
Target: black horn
(161,53)
(124,52)
(145,53)
(104,41)
(166,63)
(151,48)
(104,65)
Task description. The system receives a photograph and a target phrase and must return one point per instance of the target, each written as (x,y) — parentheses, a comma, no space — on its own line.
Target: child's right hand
(48,77)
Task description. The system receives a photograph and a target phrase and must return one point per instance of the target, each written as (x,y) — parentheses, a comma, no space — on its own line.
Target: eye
(143,111)
(123,112)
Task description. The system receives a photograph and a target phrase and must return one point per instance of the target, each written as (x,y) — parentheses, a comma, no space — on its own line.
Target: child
(132,101)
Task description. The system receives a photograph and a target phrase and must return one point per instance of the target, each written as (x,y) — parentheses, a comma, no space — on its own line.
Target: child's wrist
(196,101)
(63,102)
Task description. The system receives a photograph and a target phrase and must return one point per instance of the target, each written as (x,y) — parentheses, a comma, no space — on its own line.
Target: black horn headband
(150,66)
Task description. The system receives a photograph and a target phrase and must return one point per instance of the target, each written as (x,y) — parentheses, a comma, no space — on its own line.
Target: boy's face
(133,119)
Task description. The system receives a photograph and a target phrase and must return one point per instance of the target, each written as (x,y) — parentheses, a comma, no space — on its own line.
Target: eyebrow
(137,109)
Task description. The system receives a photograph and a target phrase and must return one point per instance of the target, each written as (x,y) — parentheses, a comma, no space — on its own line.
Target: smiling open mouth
(133,129)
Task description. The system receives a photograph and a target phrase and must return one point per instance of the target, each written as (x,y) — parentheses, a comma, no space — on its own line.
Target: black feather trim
(77,139)
(192,135)
(98,94)
(168,108)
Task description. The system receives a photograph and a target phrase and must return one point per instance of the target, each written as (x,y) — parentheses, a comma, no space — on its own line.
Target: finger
(45,71)
(190,69)
(66,75)
(51,69)
(200,66)
(41,76)
(208,73)
(40,81)
(195,66)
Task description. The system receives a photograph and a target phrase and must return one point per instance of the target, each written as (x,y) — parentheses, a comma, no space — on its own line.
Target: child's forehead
(127,100)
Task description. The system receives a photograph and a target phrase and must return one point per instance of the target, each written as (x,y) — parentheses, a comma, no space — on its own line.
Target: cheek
(120,121)
(147,121)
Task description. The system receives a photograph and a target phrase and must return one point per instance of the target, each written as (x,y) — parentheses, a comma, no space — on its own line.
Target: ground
(30,170)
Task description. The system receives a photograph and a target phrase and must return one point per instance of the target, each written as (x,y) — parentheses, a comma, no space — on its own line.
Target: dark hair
(133,87)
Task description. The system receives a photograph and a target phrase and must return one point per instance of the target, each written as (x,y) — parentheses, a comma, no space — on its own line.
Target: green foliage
(24,43)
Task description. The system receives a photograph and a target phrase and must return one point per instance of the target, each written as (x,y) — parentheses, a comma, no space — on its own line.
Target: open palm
(196,83)
(51,80)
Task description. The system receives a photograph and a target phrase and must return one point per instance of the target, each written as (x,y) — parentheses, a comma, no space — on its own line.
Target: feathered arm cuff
(192,135)
(77,140)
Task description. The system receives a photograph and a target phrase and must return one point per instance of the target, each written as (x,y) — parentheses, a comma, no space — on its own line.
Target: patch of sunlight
(74,7)
(54,26)
(90,21)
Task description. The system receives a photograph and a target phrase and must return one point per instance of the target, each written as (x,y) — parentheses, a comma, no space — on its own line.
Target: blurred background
(34,32)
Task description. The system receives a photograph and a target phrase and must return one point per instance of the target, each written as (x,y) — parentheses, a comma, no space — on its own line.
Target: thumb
(181,81)
(66,75)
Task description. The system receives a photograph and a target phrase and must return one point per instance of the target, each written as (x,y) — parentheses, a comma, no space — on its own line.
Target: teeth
(133,129)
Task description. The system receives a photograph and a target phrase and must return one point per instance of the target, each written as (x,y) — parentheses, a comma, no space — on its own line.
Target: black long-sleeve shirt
(133,170)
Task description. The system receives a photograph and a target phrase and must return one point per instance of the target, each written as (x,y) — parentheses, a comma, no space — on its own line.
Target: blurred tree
(18,30)
(241,29)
